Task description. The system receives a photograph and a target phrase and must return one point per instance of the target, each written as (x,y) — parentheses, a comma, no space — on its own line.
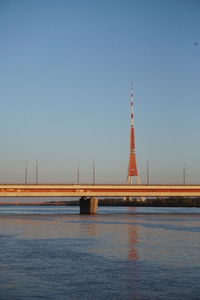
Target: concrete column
(88,205)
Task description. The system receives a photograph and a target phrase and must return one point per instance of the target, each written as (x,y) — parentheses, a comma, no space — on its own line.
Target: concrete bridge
(88,193)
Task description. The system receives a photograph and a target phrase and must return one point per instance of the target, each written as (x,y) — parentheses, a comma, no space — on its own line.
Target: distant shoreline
(155,202)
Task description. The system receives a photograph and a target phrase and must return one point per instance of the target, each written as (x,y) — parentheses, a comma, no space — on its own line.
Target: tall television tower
(132,167)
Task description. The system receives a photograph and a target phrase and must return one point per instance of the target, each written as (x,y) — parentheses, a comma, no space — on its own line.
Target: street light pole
(36,172)
(185,174)
(26,171)
(147,172)
(93,173)
(78,172)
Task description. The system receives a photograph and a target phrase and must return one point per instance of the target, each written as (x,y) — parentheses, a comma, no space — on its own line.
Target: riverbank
(148,202)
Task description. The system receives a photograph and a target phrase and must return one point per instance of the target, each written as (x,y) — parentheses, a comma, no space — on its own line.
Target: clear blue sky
(65,73)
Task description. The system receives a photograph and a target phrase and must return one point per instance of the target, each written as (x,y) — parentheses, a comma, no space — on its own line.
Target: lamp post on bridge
(93,171)
(36,172)
(184,173)
(26,172)
(147,172)
(78,172)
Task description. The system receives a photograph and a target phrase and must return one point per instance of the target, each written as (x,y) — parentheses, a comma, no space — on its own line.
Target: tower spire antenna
(132,167)
(132,98)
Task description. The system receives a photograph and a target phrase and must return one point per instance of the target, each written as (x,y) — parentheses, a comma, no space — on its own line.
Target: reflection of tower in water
(132,241)
(133,256)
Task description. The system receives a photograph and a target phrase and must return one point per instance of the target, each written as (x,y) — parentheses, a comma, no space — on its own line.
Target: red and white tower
(132,167)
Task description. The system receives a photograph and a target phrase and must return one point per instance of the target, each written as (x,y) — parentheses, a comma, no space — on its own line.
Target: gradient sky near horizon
(65,73)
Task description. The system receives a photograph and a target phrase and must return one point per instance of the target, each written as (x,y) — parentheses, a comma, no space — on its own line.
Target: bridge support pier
(88,205)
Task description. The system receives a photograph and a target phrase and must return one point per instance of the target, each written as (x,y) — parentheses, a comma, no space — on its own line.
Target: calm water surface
(121,253)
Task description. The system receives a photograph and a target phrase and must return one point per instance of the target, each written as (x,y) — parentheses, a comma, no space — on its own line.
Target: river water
(120,253)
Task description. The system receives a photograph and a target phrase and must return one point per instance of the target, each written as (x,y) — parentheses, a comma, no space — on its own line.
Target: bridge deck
(55,190)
